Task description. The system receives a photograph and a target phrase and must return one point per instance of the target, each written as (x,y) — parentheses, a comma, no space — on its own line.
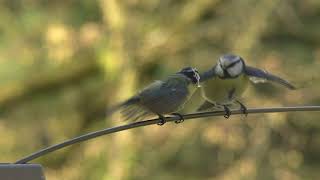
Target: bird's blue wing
(258,75)
(167,96)
(157,98)
(207,75)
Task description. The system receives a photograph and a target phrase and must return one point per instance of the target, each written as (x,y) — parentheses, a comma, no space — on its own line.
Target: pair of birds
(221,86)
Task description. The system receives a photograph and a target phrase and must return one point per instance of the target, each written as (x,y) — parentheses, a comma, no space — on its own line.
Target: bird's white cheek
(235,71)
(219,70)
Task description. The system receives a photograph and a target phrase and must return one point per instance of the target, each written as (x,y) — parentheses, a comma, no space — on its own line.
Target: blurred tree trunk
(118,63)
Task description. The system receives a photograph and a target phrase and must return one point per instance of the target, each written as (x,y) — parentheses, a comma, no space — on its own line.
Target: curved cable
(102,132)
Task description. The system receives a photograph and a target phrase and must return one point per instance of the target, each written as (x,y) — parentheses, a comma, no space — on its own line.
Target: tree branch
(96,134)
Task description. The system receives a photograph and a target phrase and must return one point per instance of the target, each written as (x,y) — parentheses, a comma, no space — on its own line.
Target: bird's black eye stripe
(232,64)
(220,62)
(226,74)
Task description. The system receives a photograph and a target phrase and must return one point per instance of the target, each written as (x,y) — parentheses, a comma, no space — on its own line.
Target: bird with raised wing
(223,85)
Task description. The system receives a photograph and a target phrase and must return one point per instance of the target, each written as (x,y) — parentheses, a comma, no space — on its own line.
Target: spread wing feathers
(205,106)
(261,76)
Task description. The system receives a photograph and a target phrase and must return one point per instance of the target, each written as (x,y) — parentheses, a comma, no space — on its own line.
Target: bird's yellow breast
(219,90)
(191,89)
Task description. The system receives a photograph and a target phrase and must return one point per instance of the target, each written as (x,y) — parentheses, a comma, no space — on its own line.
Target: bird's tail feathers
(126,103)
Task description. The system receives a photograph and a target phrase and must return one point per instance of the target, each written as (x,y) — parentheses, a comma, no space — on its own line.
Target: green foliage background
(63,63)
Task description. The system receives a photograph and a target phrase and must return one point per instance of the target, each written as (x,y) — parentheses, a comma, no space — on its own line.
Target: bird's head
(229,66)
(192,74)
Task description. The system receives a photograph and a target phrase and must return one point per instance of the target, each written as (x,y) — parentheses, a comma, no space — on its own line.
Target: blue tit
(161,97)
(223,84)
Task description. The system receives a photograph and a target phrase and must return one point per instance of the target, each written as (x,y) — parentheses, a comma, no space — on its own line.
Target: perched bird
(161,97)
(223,84)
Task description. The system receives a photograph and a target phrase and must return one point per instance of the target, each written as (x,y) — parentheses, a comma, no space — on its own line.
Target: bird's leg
(227,111)
(180,116)
(162,120)
(243,108)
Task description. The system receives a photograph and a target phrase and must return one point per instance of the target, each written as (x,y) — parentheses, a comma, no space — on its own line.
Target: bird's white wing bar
(261,76)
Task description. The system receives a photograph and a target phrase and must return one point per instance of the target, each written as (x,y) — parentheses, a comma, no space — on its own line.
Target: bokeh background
(63,63)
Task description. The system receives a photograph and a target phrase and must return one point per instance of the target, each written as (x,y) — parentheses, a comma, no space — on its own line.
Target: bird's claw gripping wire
(162,120)
(227,112)
(243,108)
(180,120)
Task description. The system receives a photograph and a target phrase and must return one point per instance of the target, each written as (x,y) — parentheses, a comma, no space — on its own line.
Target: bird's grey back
(160,97)
(167,96)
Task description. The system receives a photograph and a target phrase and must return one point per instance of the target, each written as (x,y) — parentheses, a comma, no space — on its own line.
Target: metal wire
(102,132)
